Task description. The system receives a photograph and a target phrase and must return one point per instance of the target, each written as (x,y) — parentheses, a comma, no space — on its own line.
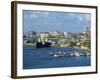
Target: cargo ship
(43,44)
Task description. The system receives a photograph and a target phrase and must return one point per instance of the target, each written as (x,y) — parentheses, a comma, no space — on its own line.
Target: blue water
(39,58)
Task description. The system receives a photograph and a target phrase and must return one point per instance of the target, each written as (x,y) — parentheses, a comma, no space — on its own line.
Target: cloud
(41,13)
(33,16)
(71,14)
(87,17)
(30,16)
(80,18)
(46,14)
(84,17)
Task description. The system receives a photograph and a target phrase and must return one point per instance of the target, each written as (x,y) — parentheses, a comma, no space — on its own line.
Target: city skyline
(50,21)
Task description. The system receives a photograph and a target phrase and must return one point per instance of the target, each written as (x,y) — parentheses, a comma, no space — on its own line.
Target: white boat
(51,53)
(71,54)
(77,53)
(88,54)
(57,54)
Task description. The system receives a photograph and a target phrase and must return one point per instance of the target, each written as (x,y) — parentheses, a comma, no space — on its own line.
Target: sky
(51,21)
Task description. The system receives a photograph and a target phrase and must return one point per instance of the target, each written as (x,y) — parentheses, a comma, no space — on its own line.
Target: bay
(35,58)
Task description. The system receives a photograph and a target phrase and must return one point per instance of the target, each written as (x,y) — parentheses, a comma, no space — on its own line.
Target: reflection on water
(40,58)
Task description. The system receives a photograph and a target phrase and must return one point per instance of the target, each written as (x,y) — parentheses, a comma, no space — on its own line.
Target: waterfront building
(43,36)
(29,36)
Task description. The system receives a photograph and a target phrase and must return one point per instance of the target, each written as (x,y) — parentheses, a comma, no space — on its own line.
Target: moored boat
(58,54)
(43,44)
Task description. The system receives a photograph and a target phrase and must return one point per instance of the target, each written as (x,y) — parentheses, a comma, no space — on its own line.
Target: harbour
(35,58)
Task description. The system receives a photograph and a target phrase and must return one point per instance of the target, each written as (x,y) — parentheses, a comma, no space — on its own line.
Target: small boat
(77,53)
(88,54)
(57,54)
(51,53)
(72,54)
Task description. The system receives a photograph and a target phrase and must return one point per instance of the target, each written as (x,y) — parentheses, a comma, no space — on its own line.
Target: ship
(43,44)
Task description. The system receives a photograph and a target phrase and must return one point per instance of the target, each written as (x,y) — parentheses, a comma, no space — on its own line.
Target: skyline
(50,21)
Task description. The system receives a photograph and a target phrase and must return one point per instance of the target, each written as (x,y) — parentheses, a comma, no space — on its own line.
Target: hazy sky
(48,21)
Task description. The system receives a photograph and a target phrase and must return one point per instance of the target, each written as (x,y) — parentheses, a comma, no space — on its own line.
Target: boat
(57,54)
(43,44)
(77,53)
(71,54)
(88,54)
(51,53)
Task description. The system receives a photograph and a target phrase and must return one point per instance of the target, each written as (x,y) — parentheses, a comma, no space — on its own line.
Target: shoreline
(28,44)
(54,46)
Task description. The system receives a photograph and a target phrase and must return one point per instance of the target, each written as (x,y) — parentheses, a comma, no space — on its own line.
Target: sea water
(35,58)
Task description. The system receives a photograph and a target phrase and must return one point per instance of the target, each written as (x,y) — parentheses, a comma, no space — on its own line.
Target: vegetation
(31,41)
(72,44)
(55,36)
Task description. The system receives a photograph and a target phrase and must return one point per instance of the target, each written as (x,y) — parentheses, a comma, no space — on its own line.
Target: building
(43,36)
